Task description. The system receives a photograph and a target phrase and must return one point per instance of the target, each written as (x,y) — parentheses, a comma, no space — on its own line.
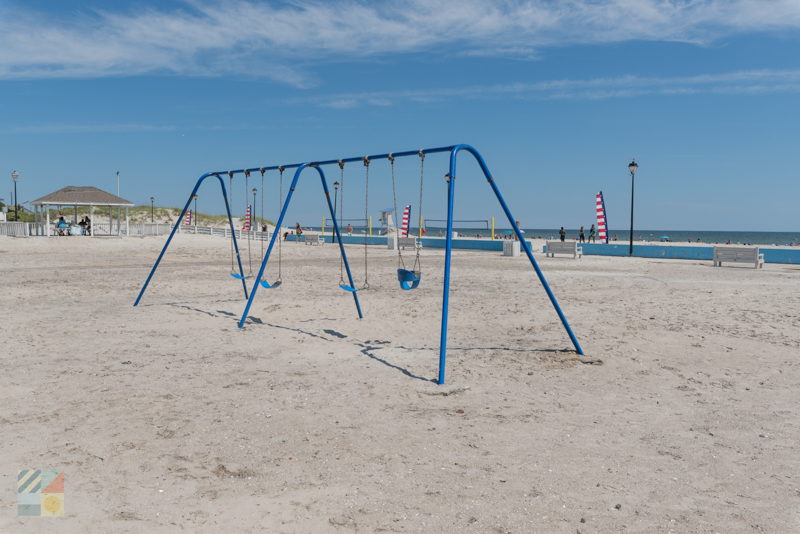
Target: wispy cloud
(60,128)
(215,37)
(737,82)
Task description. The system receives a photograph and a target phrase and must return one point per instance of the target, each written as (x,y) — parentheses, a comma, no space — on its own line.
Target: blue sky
(557,96)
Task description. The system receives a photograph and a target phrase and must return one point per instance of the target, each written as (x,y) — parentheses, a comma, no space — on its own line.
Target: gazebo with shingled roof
(83,196)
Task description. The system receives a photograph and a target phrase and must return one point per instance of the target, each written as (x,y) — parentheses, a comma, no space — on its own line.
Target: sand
(168,418)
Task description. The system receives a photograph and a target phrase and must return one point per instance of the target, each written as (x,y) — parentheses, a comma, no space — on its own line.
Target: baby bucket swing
(408,278)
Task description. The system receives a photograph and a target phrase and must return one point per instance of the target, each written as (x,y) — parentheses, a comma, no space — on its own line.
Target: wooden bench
(313,238)
(564,247)
(738,255)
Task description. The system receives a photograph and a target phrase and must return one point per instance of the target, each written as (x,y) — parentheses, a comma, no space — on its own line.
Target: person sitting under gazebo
(61,226)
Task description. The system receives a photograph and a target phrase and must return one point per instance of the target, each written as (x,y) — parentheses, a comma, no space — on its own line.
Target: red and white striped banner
(406,221)
(600,208)
(247,219)
(187,221)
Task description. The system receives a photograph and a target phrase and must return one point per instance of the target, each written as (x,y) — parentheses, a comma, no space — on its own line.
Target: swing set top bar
(425,151)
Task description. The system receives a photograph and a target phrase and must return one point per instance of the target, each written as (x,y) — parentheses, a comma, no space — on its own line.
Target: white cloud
(737,82)
(215,37)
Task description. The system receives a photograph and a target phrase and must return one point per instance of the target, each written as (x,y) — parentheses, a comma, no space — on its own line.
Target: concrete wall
(427,242)
(677,252)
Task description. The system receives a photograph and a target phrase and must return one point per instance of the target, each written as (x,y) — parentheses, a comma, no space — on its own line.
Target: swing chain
(233,229)
(280,237)
(365,159)
(417,266)
(262,170)
(338,214)
(400,262)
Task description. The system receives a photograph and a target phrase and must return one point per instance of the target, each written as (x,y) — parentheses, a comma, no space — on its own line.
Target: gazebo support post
(91,220)
(47,228)
(127,223)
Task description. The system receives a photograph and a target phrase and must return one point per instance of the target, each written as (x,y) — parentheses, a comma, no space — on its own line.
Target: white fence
(26,229)
(14,229)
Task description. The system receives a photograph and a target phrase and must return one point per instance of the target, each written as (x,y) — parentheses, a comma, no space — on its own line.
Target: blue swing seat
(348,288)
(267,285)
(408,279)
(237,276)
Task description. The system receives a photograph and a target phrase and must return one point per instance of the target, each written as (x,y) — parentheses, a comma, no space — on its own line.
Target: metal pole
(253,215)
(451,180)
(117,183)
(16,202)
(630,248)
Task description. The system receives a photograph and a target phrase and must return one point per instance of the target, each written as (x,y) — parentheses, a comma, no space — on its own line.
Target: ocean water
(675,236)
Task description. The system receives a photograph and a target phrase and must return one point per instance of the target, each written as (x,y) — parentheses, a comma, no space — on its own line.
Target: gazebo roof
(73,195)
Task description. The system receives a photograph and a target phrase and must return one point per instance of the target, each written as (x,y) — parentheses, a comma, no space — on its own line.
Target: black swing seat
(408,279)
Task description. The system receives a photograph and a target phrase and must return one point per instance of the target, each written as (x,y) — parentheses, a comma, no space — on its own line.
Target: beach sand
(168,418)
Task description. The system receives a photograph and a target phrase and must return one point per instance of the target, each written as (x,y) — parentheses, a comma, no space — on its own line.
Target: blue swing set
(408,278)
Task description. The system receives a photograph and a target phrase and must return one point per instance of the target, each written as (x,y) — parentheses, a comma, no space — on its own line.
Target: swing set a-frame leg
(279,224)
(449,247)
(177,225)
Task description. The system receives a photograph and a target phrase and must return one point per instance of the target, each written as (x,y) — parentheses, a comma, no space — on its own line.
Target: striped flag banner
(602,226)
(406,221)
(247,219)
(187,221)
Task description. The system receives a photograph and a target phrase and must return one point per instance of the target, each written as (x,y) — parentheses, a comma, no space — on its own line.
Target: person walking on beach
(591,234)
(349,229)
(562,233)
(297,229)
(581,235)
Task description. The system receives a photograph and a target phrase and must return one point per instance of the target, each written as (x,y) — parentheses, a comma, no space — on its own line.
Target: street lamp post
(152,208)
(335,197)
(15,177)
(632,166)
(117,183)
(194,213)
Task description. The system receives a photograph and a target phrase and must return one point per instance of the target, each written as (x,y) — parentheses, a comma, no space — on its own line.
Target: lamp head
(152,199)
(14,175)
(632,166)
(255,190)
(336,185)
